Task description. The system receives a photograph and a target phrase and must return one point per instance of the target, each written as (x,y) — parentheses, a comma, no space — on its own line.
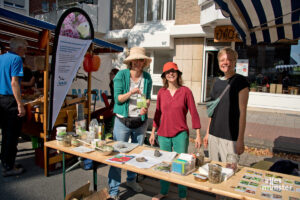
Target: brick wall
(187,12)
(123,14)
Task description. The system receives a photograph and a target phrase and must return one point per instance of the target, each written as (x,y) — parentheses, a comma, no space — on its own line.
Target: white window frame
(14,5)
(154,10)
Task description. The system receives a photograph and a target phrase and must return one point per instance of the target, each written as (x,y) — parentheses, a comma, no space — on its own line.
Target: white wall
(210,14)
(274,101)
(103,16)
(100,80)
(151,35)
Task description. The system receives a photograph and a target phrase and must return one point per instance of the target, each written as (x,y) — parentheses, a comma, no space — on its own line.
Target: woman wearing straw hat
(131,121)
(174,99)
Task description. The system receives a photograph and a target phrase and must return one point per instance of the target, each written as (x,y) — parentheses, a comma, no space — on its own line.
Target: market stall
(39,36)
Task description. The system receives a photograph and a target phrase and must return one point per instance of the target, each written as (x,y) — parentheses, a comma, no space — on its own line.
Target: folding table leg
(95,166)
(64,173)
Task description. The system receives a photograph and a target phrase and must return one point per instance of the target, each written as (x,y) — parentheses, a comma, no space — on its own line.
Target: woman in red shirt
(173,102)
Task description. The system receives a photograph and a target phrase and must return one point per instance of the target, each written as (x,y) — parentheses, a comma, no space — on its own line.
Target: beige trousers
(220,147)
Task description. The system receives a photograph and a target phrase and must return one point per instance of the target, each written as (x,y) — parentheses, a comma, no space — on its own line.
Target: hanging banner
(73,36)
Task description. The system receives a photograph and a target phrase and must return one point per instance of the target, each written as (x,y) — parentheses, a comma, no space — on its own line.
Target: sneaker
(17,165)
(113,198)
(13,172)
(134,186)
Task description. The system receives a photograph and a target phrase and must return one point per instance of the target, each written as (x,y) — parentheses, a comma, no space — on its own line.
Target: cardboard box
(100,195)
(278,88)
(84,193)
(80,193)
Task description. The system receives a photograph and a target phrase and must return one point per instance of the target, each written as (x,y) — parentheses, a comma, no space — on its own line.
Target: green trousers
(179,144)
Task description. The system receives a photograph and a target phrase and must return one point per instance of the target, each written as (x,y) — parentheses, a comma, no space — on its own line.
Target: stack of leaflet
(183,165)
(226,172)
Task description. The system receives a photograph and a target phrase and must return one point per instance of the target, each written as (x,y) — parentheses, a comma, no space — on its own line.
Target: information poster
(73,36)
(242,67)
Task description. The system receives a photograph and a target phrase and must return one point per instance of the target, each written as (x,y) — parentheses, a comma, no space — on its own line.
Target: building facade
(183,31)
(169,30)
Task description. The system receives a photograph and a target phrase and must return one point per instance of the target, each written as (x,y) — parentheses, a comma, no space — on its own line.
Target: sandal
(159,197)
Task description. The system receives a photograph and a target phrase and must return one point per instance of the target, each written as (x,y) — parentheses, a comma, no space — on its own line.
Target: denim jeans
(123,133)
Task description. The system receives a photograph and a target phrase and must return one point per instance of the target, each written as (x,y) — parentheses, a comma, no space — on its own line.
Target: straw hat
(136,53)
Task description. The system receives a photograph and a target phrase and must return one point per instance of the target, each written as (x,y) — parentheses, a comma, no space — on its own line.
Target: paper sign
(242,67)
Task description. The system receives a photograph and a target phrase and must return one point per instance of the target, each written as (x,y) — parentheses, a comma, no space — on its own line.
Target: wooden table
(226,188)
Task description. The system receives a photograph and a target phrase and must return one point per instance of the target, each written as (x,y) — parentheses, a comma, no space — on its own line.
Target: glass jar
(90,136)
(60,140)
(199,159)
(232,161)
(215,173)
(67,140)
(74,141)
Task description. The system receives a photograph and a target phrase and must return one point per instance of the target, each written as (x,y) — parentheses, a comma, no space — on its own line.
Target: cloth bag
(211,105)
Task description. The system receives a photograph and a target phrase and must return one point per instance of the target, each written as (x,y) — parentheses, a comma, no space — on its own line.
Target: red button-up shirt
(170,114)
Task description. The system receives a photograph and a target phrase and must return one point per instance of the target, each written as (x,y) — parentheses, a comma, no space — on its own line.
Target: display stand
(66,115)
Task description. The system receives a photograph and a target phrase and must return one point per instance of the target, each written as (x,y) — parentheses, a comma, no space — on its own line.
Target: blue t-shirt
(10,65)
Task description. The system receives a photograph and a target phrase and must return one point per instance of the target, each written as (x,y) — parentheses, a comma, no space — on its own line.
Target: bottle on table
(101,128)
(232,161)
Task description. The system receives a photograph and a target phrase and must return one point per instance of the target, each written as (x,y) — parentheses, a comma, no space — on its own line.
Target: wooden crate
(272,88)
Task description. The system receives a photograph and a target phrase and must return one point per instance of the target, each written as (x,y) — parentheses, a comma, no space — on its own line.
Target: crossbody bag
(211,105)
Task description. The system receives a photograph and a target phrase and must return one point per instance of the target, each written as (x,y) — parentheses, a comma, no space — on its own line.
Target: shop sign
(242,67)
(226,34)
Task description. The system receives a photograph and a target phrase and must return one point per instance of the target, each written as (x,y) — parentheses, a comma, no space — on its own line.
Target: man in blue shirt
(11,106)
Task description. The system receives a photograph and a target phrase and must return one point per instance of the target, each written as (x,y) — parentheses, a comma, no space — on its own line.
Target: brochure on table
(165,156)
(148,163)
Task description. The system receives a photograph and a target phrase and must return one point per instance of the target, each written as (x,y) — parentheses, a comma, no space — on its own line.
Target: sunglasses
(171,70)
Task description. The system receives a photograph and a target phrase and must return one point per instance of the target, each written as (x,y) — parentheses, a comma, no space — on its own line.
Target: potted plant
(253,87)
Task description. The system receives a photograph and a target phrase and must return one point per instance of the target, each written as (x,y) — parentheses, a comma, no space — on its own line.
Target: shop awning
(265,21)
(16,25)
